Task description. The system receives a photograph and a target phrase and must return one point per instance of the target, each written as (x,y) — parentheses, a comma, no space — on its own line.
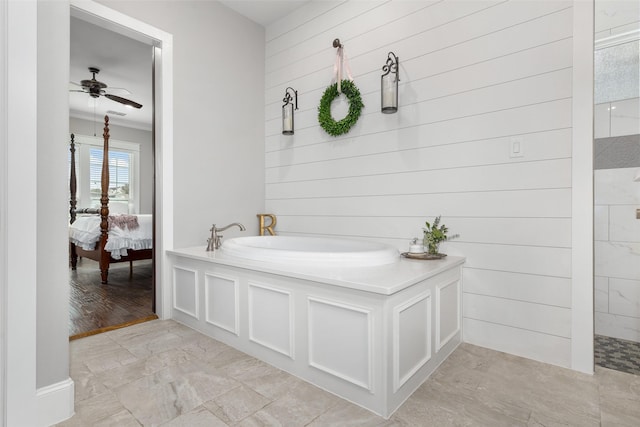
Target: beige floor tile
(463,370)
(263,419)
(86,384)
(121,419)
(98,408)
(225,357)
(300,405)
(237,404)
(163,372)
(435,405)
(619,398)
(152,343)
(247,367)
(270,382)
(204,348)
(146,366)
(516,384)
(551,420)
(85,349)
(173,391)
(346,414)
(112,358)
(198,417)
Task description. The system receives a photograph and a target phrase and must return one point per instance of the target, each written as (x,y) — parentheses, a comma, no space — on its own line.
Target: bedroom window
(124,171)
(119,167)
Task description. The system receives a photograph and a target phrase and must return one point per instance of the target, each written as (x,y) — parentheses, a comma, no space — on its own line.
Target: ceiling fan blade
(118,91)
(123,100)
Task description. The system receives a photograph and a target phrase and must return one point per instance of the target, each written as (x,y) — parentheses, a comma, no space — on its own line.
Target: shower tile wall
(617,231)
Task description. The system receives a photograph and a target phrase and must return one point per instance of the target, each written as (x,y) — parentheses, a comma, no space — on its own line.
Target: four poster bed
(101,237)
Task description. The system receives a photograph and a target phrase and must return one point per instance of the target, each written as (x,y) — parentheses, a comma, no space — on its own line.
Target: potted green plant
(434,234)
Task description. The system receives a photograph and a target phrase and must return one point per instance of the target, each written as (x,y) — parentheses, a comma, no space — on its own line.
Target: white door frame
(163,111)
(582,314)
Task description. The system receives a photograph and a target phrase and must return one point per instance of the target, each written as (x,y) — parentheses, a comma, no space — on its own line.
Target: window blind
(119,168)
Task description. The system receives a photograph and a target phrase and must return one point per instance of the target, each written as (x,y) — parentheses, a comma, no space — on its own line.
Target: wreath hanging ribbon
(349,89)
(340,63)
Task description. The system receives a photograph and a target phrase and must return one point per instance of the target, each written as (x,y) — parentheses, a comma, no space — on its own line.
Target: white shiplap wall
(474,75)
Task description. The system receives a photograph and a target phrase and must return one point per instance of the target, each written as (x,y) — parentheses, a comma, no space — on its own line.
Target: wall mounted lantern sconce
(287,110)
(389,84)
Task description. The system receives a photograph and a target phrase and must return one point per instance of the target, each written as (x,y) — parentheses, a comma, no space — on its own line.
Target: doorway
(109,74)
(159,45)
(617,186)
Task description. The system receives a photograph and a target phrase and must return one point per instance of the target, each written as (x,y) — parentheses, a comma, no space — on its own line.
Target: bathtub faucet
(215,240)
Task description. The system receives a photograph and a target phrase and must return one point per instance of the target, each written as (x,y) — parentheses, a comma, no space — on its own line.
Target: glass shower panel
(617,199)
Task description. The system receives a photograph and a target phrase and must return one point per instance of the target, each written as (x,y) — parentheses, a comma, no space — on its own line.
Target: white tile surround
(617,118)
(473,75)
(617,253)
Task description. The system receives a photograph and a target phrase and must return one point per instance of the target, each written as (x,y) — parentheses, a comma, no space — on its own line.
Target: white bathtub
(311,250)
(370,335)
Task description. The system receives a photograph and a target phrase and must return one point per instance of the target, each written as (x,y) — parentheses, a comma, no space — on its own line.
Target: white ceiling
(123,62)
(264,12)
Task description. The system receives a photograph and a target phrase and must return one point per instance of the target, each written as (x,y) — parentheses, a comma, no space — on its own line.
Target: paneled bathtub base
(335,325)
(447,312)
(185,291)
(411,338)
(396,399)
(271,318)
(373,349)
(221,302)
(381,405)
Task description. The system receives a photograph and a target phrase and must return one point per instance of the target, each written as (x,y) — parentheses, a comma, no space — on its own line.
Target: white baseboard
(55,402)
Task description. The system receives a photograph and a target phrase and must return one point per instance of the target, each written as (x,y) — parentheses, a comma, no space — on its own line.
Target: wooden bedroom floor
(94,307)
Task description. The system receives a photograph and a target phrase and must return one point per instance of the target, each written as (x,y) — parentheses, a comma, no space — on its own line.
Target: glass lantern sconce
(389,84)
(290,100)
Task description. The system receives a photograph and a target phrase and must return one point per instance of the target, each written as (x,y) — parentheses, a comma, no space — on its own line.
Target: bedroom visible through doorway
(122,82)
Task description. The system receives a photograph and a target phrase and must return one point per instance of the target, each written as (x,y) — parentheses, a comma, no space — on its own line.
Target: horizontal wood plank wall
(473,76)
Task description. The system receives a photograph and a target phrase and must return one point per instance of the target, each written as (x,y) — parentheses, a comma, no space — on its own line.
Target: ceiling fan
(96,89)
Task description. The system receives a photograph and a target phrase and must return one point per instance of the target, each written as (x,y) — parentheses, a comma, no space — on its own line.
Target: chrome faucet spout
(215,241)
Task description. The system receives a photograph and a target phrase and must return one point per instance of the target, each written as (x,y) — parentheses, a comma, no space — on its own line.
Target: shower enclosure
(617,188)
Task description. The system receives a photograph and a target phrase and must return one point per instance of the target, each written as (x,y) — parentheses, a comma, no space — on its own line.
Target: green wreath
(327,122)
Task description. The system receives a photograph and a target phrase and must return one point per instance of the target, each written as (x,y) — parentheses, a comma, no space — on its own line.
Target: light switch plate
(516,146)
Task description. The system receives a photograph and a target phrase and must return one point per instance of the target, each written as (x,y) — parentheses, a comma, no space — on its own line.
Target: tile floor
(163,373)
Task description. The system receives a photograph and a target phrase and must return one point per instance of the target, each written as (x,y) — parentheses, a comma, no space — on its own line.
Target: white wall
(123,133)
(474,76)
(4,185)
(218,112)
(52,238)
(18,139)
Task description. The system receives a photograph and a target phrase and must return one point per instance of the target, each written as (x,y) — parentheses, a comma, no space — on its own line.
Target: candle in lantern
(388,93)
(287,119)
